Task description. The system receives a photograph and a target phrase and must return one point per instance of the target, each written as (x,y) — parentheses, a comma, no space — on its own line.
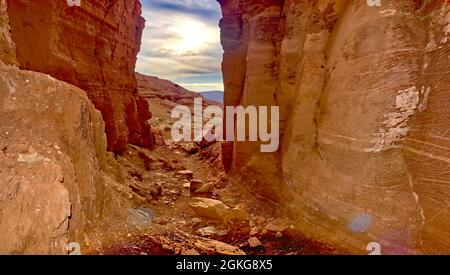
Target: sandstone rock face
(93,47)
(54,186)
(7,47)
(362,92)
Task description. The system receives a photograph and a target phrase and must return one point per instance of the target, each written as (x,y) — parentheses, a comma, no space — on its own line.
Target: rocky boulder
(54,183)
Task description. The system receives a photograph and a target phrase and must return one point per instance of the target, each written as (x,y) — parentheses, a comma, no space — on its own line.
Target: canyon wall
(362,90)
(55,183)
(56,179)
(7,47)
(94,47)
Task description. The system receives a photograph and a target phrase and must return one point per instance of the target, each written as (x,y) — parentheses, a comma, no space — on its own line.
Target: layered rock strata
(94,47)
(362,90)
(56,179)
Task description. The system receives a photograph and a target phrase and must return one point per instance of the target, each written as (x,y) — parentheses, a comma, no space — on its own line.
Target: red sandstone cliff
(56,180)
(362,92)
(93,47)
(7,47)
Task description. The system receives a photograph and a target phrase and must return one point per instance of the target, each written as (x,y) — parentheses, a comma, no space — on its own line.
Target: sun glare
(192,36)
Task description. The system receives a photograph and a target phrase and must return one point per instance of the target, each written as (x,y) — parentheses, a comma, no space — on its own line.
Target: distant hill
(163,95)
(216,96)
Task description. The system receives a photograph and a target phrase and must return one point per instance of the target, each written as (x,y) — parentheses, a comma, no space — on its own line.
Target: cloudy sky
(181,42)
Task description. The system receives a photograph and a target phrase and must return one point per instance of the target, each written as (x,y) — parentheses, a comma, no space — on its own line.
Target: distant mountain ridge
(216,96)
(152,87)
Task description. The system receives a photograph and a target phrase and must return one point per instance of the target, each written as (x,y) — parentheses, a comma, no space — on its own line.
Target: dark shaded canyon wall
(93,47)
(363,95)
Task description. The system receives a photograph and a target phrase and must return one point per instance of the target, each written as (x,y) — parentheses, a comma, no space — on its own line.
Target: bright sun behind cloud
(181,43)
(192,36)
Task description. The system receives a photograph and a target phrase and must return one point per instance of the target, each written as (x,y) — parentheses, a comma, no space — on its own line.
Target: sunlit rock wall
(94,47)
(362,91)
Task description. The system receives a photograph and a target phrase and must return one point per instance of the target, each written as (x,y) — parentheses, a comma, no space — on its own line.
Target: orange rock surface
(362,90)
(93,47)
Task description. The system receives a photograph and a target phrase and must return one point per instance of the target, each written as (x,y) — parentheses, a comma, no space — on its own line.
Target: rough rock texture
(7,47)
(93,47)
(362,92)
(53,182)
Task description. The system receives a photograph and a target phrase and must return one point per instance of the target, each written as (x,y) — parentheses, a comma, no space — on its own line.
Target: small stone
(211,231)
(207,188)
(207,231)
(31,158)
(279,235)
(209,208)
(278,225)
(254,242)
(161,175)
(215,209)
(253,231)
(161,221)
(191,148)
(168,142)
(195,185)
(187,185)
(237,214)
(156,190)
(195,221)
(186,173)
(212,246)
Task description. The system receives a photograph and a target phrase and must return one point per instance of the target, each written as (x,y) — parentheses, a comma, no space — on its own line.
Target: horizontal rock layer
(362,91)
(94,47)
